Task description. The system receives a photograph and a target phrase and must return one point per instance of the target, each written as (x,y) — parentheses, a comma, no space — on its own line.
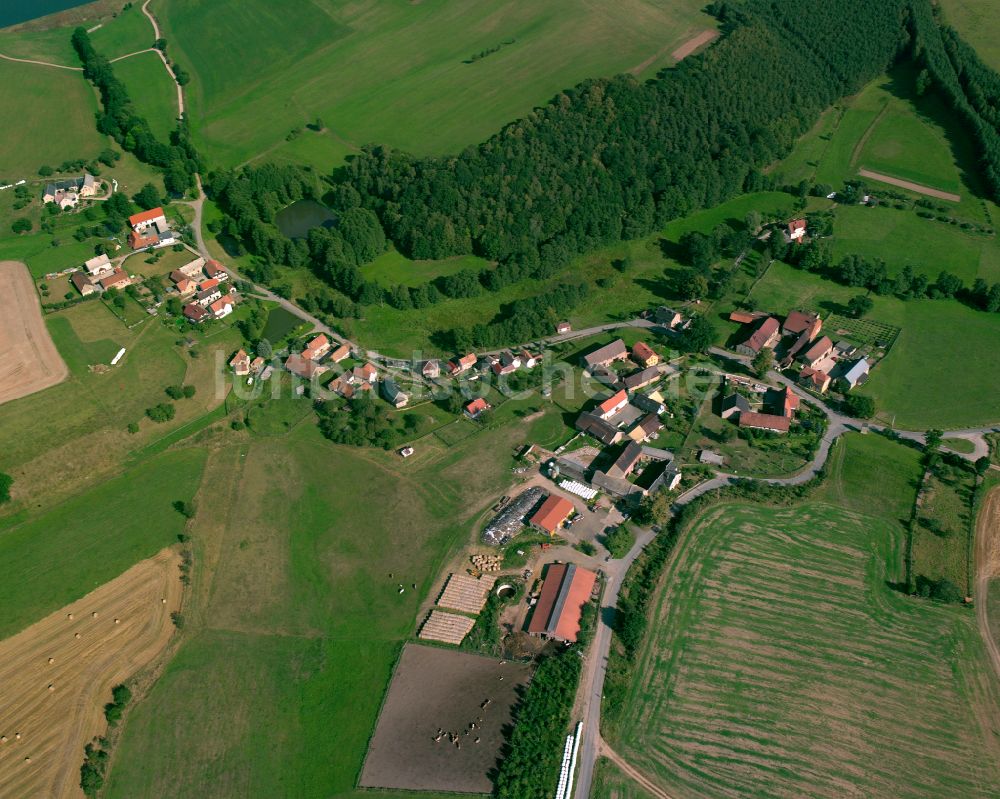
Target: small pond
(280,323)
(297,219)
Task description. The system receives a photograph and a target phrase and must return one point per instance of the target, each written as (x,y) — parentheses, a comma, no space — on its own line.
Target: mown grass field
(610,783)
(977,22)
(46,132)
(152,91)
(294,623)
(395,73)
(392,268)
(941,370)
(780,663)
(57,557)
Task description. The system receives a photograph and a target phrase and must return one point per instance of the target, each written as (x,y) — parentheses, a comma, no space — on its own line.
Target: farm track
(633,773)
(693,44)
(39,63)
(910,186)
(55,724)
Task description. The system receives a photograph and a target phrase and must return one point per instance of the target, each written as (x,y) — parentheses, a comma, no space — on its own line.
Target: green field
(781,664)
(977,22)
(394,73)
(942,370)
(152,91)
(391,268)
(55,111)
(86,541)
(610,783)
(294,623)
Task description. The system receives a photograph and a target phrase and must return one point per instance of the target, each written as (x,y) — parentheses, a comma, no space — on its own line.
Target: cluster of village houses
(797,342)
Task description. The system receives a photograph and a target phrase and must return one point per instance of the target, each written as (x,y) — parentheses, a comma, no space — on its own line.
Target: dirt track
(988,568)
(693,44)
(29,360)
(54,725)
(909,185)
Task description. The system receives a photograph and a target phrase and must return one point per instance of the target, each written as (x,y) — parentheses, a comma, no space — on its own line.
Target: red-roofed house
(764,421)
(216,271)
(208,285)
(147,219)
(222,307)
(463,364)
(643,355)
(796,230)
(118,279)
(612,405)
(431,369)
(241,363)
(302,367)
(552,514)
(817,352)
(195,312)
(765,336)
(567,588)
(746,317)
(317,348)
(815,379)
(340,353)
(477,407)
(138,240)
(789,402)
(799,322)
(564,327)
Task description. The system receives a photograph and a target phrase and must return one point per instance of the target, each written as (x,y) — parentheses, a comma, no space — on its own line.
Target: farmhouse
(477,407)
(817,352)
(784,402)
(530,360)
(364,374)
(642,378)
(667,317)
(552,514)
(207,296)
(150,229)
(651,403)
(393,394)
(796,230)
(643,355)
(856,374)
(567,588)
(734,403)
(646,428)
(431,369)
(799,322)
(195,312)
(67,193)
(97,264)
(240,363)
(316,348)
(506,364)
(84,284)
(764,337)
(764,421)
(606,355)
(193,269)
(223,306)
(595,426)
(563,327)
(463,364)
(185,285)
(216,271)
(612,405)
(303,367)
(118,279)
(746,317)
(815,379)
(604,375)
(340,354)
(626,461)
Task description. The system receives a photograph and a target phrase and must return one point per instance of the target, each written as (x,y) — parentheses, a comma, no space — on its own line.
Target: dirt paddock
(54,723)
(441,691)
(29,360)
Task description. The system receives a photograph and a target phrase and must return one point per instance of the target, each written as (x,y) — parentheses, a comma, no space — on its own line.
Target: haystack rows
(57,675)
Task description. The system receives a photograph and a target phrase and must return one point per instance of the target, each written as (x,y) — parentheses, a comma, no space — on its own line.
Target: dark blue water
(14,11)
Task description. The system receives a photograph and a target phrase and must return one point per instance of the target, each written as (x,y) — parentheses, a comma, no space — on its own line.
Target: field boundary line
(40,63)
(856,152)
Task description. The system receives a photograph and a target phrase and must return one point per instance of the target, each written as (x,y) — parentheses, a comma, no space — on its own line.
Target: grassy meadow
(294,623)
(58,556)
(781,663)
(152,91)
(610,783)
(402,74)
(48,131)
(977,22)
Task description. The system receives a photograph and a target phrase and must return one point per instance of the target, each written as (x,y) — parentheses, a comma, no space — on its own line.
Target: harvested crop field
(29,360)
(434,694)
(57,674)
(780,663)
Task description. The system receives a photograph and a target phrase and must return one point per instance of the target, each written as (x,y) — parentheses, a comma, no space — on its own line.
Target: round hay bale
(76,635)
(52,687)
(163,601)
(17,735)
(118,621)
(69,615)
(51,661)
(93,615)
(3,739)
(27,760)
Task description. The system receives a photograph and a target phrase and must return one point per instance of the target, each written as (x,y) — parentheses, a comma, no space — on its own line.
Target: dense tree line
(615,158)
(118,118)
(530,766)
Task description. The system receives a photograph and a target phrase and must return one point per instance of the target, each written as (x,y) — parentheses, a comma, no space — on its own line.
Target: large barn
(566,589)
